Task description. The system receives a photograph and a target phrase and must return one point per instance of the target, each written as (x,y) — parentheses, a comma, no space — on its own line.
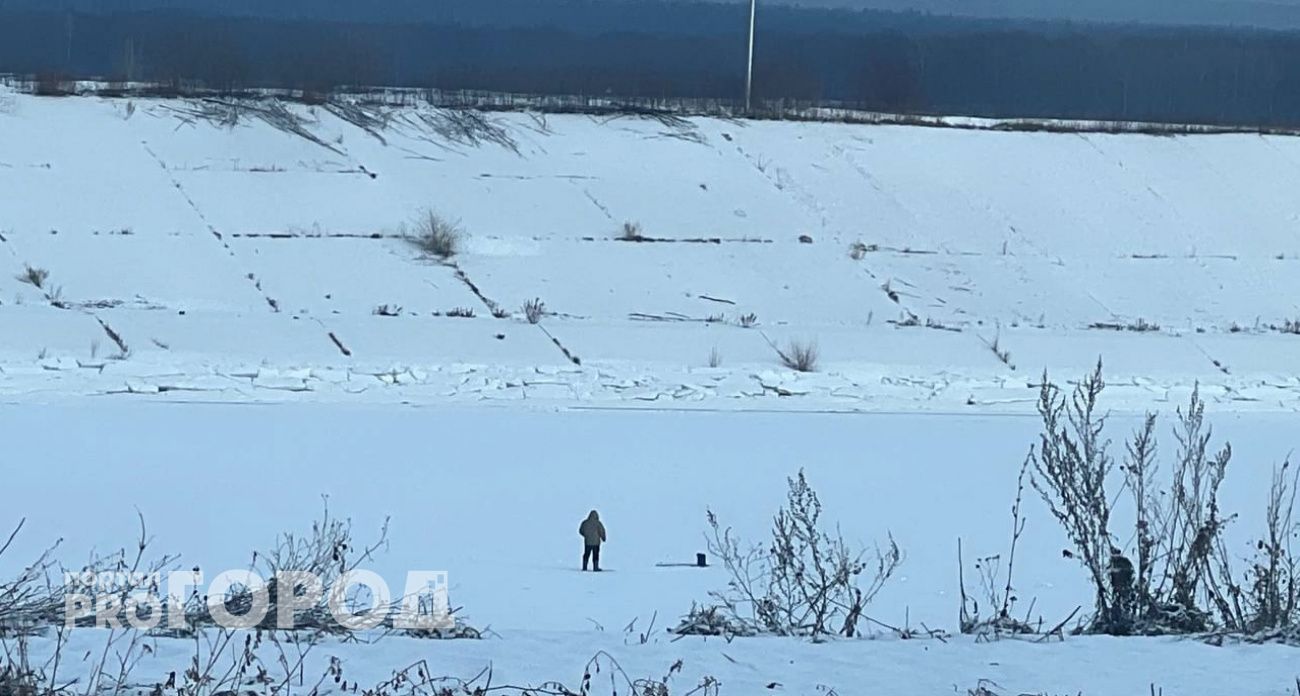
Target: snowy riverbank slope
(241,254)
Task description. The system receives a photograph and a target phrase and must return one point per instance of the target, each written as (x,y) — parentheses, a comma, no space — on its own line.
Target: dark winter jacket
(592,531)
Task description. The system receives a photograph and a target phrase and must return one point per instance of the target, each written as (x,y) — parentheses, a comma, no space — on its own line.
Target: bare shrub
(748,321)
(534,310)
(1290,326)
(799,356)
(713,620)
(25,600)
(1275,576)
(34,602)
(385,310)
(55,297)
(461,313)
(1178,576)
(1139,325)
(222,662)
(909,320)
(806,582)
(890,292)
(326,552)
(1070,467)
(123,350)
(999,595)
(468,126)
(458,630)
(435,235)
(1179,530)
(34,277)
(858,250)
(18,676)
(39,278)
(1178,542)
(1264,602)
(227,662)
(715,358)
(1003,354)
(632,232)
(602,674)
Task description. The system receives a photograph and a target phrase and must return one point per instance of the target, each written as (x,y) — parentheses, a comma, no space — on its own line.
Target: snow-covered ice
(241,267)
(492,495)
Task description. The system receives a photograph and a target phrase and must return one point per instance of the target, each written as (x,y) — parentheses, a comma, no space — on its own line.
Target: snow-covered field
(205,349)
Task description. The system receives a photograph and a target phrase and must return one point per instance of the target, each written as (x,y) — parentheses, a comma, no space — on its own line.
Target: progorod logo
(356,600)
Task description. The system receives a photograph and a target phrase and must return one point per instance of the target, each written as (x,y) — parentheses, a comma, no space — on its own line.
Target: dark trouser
(591,553)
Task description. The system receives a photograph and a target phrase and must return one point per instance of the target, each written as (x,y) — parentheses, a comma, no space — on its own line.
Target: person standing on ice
(593,535)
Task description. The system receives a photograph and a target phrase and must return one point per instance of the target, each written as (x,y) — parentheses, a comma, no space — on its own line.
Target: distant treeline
(706,16)
(880,61)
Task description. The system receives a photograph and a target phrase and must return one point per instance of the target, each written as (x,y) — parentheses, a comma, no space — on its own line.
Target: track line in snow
(123,348)
(180,188)
(1219,364)
(779,179)
(596,202)
(493,307)
(342,348)
(788,185)
(497,311)
(334,338)
(4,242)
(571,357)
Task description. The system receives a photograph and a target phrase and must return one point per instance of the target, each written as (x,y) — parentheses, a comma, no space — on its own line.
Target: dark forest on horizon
(898,62)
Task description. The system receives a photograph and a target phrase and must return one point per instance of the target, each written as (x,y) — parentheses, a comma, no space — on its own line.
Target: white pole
(749,71)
